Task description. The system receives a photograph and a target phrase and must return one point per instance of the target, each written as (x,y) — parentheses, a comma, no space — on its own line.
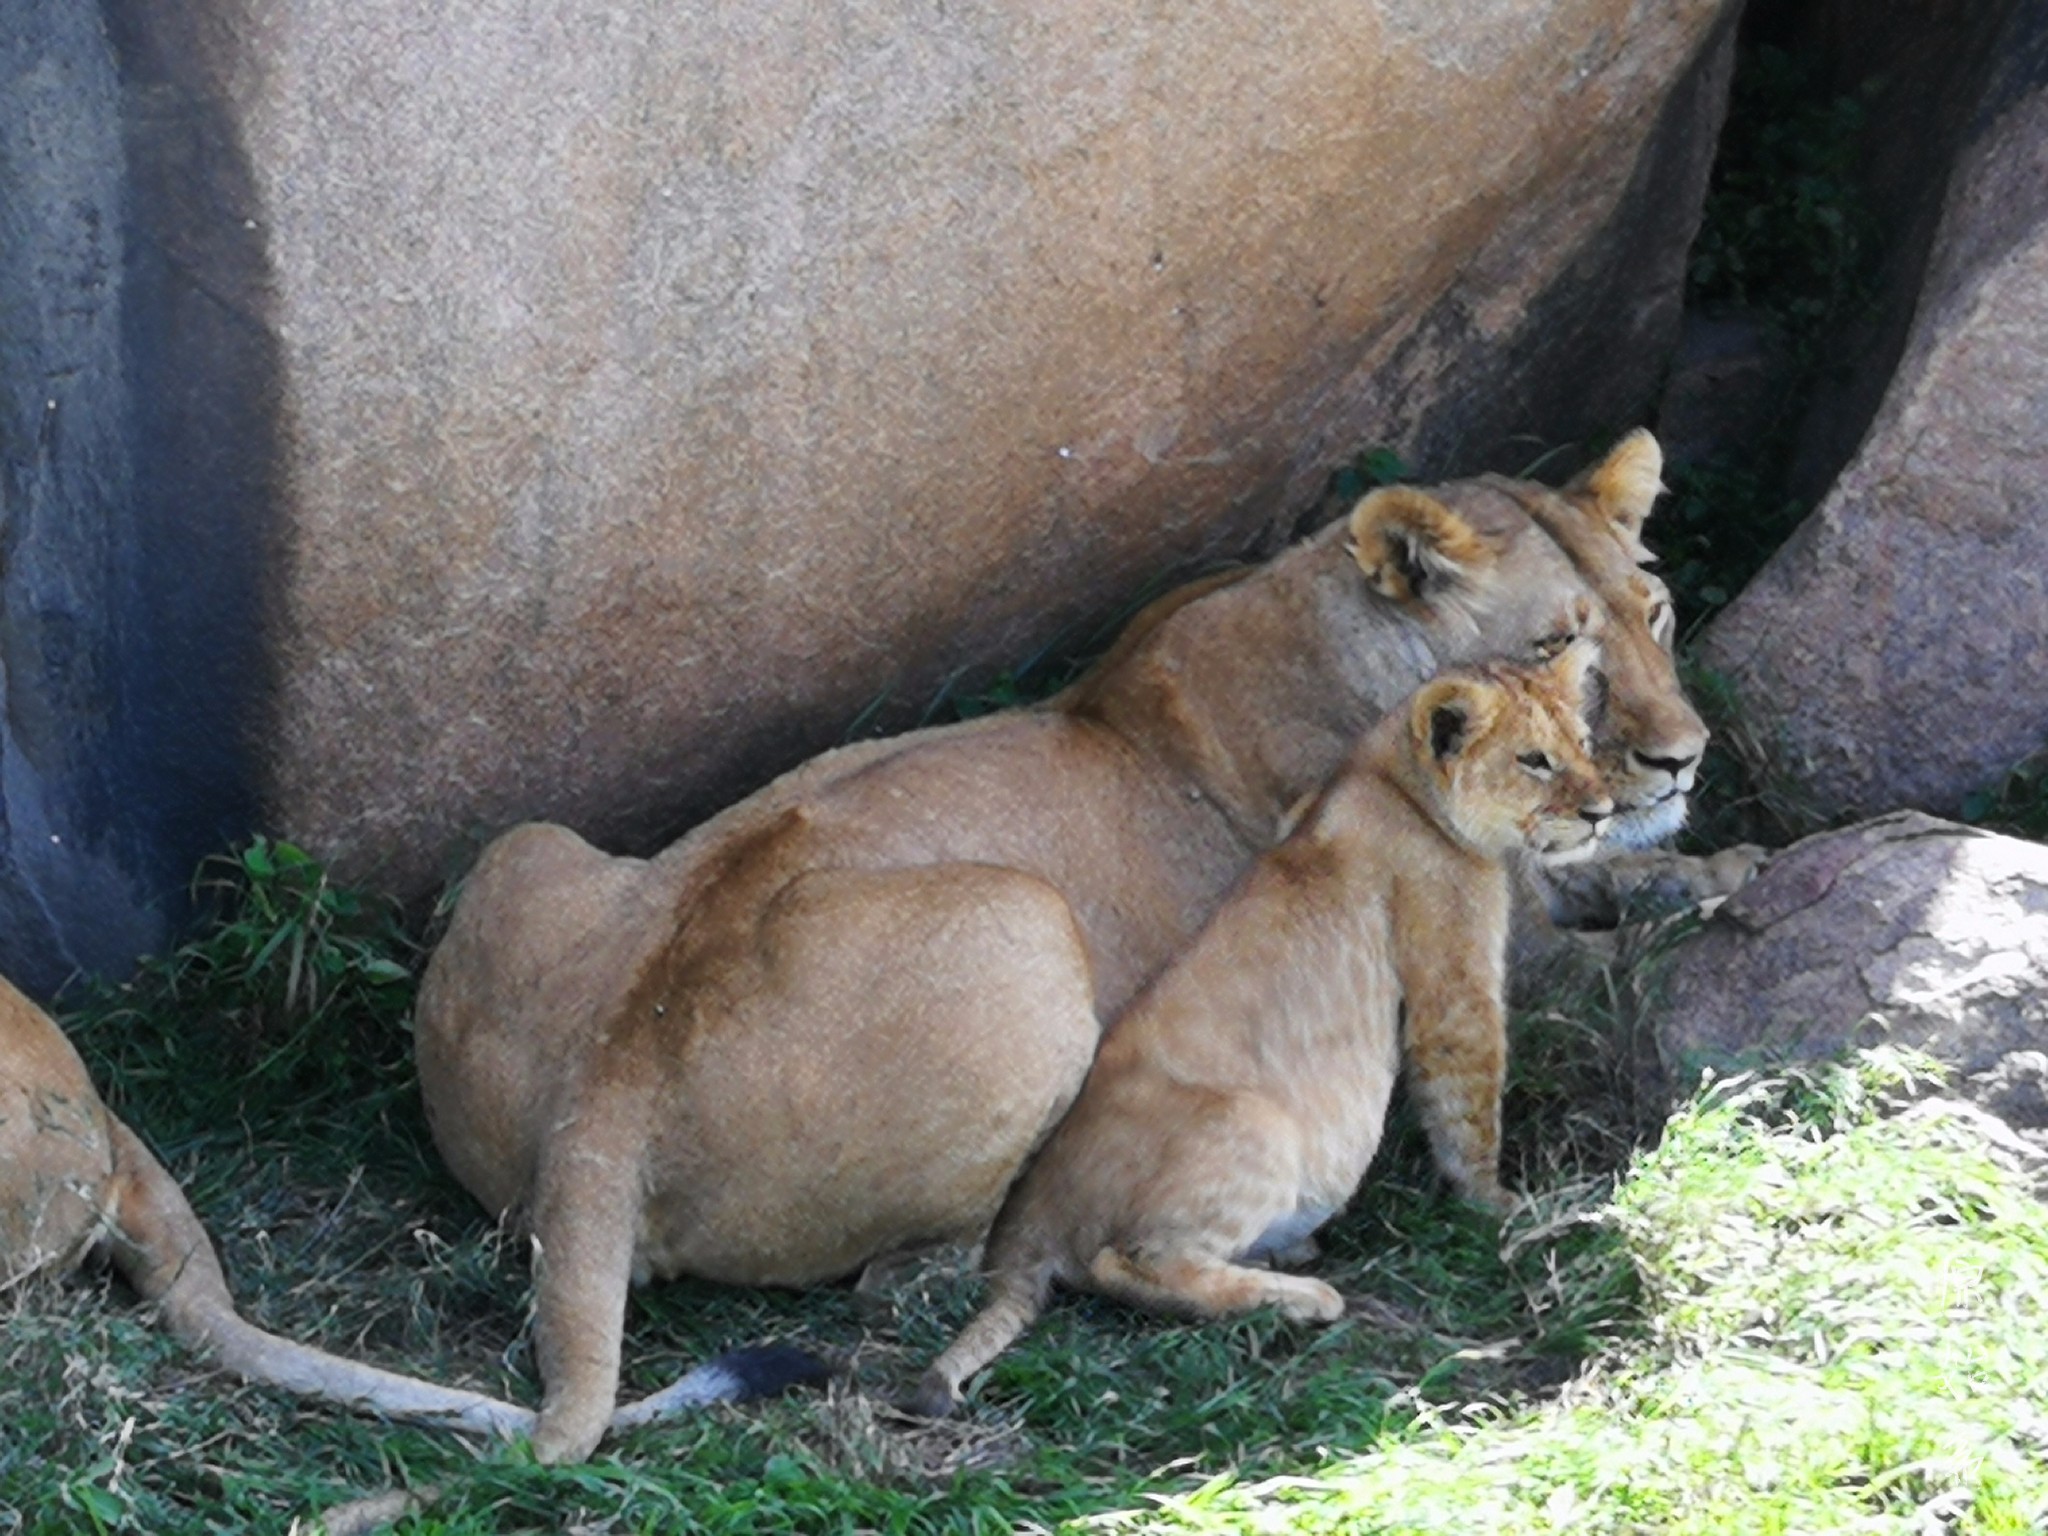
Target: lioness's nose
(1671,765)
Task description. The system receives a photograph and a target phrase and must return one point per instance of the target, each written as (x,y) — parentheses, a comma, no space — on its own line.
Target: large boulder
(1896,650)
(1906,928)
(512,410)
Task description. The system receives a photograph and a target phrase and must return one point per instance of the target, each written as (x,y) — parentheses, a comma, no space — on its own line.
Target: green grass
(1745,1254)
(1844,1331)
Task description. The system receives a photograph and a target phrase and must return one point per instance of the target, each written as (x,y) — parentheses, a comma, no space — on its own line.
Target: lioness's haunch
(1236,1105)
(767,1056)
(73,1177)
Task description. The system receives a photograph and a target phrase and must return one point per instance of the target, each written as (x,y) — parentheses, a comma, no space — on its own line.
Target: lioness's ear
(1625,485)
(1408,543)
(1447,714)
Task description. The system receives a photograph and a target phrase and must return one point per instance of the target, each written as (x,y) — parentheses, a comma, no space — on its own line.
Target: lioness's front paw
(1311,1301)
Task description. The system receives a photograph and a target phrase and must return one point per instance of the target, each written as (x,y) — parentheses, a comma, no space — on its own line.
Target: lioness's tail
(1018,1297)
(761,1370)
(166,1254)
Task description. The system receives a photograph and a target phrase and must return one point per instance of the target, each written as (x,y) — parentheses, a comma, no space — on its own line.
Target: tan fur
(1403,539)
(1650,738)
(74,1178)
(1239,1102)
(1626,482)
(768,1055)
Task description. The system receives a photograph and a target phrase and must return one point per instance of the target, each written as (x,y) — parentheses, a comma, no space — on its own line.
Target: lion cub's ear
(1570,667)
(1408,543)
(1624,485)
(1449,714)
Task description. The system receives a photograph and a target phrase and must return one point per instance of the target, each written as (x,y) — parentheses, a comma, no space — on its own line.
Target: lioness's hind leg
(1192,1285)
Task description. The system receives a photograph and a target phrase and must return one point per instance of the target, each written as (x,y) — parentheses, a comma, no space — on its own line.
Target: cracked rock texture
(1906,928)
(1897,647)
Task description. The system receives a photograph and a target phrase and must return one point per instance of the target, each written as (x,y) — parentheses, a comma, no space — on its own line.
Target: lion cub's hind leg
(1229,1185)
(1202,1286)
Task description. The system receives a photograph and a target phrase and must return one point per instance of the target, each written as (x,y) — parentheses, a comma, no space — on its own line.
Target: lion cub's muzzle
(1560,840)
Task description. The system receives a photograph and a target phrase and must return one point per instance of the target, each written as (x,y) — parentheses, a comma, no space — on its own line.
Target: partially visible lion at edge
(74,1178)
(762,1057)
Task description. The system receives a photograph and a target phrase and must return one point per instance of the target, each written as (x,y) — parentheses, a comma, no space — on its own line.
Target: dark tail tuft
(763,1370)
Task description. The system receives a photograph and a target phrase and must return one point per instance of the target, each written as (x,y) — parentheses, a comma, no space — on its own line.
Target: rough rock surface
(1938,930)
(512,410)
(1896,649)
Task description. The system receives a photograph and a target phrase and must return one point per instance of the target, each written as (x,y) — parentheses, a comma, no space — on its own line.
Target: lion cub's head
(1505,754)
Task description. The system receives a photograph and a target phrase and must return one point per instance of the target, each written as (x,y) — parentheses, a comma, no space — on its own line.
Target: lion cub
(1235,1106)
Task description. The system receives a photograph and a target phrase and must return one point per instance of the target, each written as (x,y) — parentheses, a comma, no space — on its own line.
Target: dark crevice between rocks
(1843,125)
(140,461)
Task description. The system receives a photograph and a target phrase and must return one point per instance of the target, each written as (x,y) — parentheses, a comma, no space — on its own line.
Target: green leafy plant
(1367,470)
(1716,529)
(291,983)
(1787,233)
(2017,804)
(1787,228)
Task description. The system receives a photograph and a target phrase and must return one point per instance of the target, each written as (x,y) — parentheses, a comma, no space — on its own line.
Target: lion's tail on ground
(1019,1295)
(760,1370)
(161,1247)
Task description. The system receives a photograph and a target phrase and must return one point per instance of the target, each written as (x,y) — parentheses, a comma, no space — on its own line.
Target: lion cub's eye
(1550,647)
(1538,763)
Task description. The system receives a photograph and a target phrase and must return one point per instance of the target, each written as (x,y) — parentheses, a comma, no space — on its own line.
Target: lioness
(73,1177)
(1236,1106)
(767,1056)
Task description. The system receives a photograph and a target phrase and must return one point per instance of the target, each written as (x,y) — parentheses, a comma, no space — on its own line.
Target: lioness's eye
(1550,647)
(1535,762)
(1660,622)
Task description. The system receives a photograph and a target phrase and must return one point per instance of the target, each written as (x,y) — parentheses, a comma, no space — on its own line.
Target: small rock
(1907,929)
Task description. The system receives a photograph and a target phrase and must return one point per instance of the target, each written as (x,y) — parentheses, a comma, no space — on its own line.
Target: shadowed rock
(1896,650)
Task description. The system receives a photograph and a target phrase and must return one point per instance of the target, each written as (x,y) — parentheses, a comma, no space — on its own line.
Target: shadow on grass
(338,1226)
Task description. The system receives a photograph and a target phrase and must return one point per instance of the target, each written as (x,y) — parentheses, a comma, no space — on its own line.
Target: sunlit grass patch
(1848,1331)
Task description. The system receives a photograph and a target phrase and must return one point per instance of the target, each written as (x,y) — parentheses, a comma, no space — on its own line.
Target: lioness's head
(1517,570)
(1507,758)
